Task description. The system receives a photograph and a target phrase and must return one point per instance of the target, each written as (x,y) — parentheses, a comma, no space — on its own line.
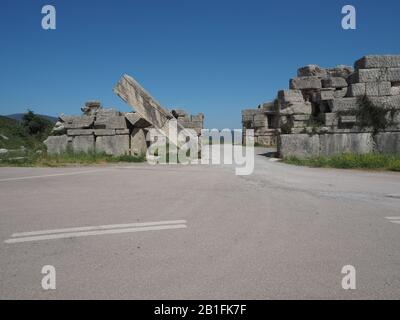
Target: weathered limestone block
(56,144)
(388,102)
(305,83)
(112,122)
(80,132)
(299,124)
(334,82)
(368,75)
(340,71)
(136,120)
(375,61)
(344,104)
(357,90)
(324,95)
(382,88)
(331,144)
(121,131)
(105,132)
(331,119)
(348,119)
(75,122)
(177,113)
(91,107)
(394,91)
(286,96)
(297,108)
(388,142)
(83,143)
(340,93)
(393,74)
(113,145)
(301,117)
(138,141)
(312,70)
(135,95)
(199,117)
(299,145)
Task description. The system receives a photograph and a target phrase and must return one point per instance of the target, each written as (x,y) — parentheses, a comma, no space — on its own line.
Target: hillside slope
(12,134)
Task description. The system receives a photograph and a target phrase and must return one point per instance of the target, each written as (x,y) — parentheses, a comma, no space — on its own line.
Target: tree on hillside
(36,125)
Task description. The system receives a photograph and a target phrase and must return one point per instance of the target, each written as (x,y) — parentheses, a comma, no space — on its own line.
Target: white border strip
(94,228)
(92,233)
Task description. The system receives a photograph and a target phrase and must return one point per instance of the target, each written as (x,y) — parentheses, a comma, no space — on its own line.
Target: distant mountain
(19,116)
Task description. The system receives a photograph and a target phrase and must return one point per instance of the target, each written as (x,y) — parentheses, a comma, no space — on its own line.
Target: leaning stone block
(83,143)
(305,83)
(378,88)
(388,142)
(344,104)
(393,74)
(334,82)
(312,70)
(286,96)
(80,132)
(331,144)
(299,145)
(113,145)
(56,144)
(375,61)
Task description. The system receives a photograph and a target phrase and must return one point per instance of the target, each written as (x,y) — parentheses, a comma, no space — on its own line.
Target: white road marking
(93,233)
(94,228)
(394,219)
(51,175)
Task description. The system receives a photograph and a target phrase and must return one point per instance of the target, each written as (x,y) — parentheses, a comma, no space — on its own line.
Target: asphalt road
(284,232)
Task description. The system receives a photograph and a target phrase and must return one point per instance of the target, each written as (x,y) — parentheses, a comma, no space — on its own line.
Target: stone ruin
(109,131)
(330,111)
(264,121)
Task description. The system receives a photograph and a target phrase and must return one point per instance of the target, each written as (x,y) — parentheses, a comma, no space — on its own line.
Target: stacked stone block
(107,131)
(264,120)
(336,97)
(195,122)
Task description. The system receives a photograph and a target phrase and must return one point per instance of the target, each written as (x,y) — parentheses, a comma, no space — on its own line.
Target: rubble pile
(106,130)
(328,111)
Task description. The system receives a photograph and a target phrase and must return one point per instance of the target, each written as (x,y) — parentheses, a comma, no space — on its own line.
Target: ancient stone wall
(264,120)
(107,131)
(342,109)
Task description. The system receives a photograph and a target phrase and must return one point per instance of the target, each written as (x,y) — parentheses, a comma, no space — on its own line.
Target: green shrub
(373,161)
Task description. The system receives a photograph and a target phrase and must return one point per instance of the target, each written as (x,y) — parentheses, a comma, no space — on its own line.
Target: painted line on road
(98,228)
(394,219)
(93,233)
(52,175)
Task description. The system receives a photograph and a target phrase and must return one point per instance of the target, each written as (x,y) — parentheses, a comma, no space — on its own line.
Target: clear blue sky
(215,57)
